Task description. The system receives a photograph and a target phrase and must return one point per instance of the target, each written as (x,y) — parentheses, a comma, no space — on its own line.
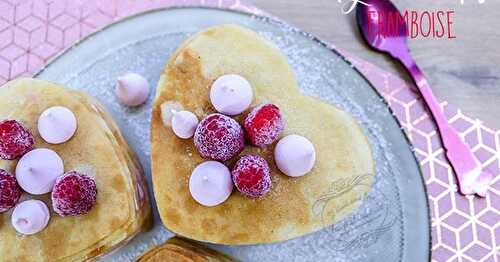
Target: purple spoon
(370,17)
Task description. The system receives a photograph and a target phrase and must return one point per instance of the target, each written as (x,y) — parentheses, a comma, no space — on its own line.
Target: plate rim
(266,18)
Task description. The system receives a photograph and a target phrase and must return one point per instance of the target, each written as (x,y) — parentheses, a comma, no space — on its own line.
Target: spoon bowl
(382,25)
(384,29)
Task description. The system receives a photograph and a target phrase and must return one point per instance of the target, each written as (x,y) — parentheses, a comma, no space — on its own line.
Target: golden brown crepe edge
(142,215)
(156,115)
(176,248)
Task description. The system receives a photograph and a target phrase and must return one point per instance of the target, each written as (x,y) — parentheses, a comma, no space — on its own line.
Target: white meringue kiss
(294,155)
(57,125)
(231,94)
(37,171)
(210,183)
(132,89)
(30,217)
(168,108)
(184,124)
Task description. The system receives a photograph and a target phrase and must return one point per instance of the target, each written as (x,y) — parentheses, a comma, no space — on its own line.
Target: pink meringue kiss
(294,155)
(30,217)
(132,89)
(57,125)
(210,183)
(231,94)
(37,171)
(184,124)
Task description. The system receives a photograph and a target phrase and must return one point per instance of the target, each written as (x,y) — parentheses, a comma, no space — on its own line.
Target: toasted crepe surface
(340,179)
(97,149)
(181,250)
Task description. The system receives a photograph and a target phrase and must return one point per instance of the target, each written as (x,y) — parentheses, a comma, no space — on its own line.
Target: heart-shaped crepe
(344,167)
(181,250)
(97,149)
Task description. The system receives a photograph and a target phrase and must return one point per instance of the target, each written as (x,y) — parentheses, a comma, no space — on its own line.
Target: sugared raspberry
(74,194)
(251,176)
(263,125)
(15,139)
(10,192)
(219,137)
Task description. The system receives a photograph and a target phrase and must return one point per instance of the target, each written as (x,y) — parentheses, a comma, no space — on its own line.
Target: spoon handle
(430,100)
(471,178)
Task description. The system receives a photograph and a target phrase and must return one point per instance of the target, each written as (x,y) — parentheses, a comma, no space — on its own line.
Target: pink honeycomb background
(463,228)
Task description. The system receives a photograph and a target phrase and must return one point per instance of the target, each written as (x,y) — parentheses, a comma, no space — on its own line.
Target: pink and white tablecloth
(463,228)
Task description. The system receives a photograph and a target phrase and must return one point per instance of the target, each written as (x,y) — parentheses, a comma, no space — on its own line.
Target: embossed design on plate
(362,229)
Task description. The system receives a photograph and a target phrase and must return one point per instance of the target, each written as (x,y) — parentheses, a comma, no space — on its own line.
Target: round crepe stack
(97,149)
(180,250)
(344,168)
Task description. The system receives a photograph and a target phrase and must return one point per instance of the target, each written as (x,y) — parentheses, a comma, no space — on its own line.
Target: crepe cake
(181,250)
(97,149)
(340,179)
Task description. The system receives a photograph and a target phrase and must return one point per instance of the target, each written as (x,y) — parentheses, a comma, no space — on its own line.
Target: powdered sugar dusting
(15,139)
(85,168)
(251,176)
(373,232)
(219,137)
(74,194)
(264,124)
(10,192)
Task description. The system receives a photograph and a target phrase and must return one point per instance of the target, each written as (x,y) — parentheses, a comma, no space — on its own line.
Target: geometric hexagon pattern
(34,31)
(464,228)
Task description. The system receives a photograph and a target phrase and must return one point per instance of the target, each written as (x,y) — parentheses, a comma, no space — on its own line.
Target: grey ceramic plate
(391,224)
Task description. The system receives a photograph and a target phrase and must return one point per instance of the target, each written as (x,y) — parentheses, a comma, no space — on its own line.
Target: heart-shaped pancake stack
(96,149)
(341,177)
